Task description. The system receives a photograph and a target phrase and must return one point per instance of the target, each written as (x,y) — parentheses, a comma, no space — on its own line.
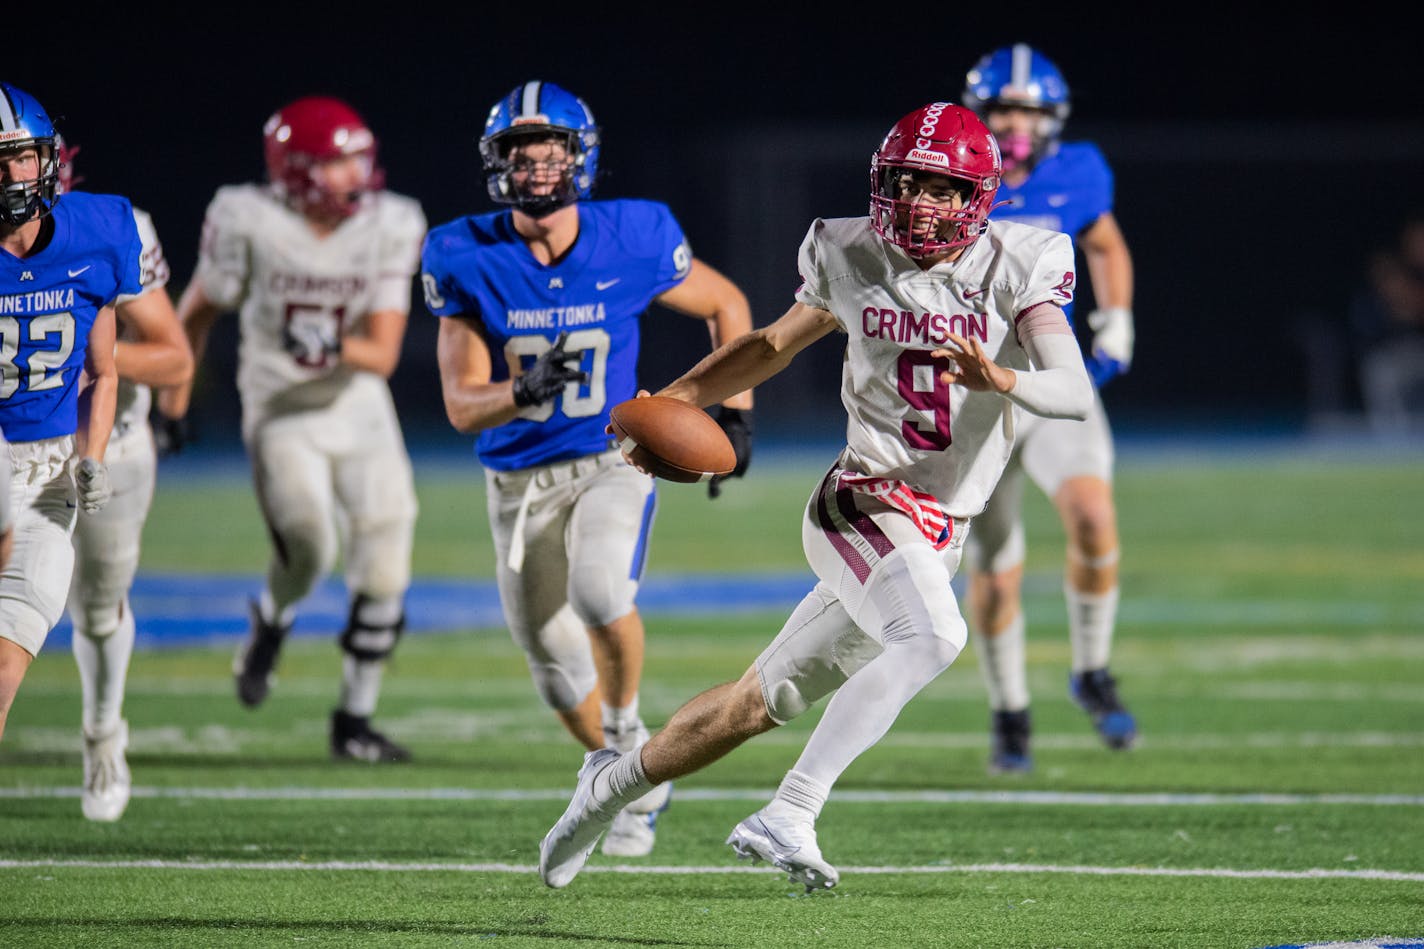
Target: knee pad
(561,662)
(97,620)
(373,629)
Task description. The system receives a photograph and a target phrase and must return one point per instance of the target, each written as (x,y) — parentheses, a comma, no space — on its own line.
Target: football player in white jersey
(320,263)
(953,327)
(151,351)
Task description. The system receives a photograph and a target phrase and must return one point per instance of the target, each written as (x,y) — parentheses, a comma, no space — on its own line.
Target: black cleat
(353,738)
(253,664)
(1096,691)
(1008,743)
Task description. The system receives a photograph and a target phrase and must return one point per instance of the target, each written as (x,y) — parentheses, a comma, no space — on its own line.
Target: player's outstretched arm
(160,355)
(707,294)
(752,358)
(378,348)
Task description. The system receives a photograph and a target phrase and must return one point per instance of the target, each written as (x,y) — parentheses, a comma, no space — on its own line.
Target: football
(671,439)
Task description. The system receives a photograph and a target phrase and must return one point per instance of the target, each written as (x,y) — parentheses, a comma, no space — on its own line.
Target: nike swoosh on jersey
(971,294)
(605,284)
(75,273)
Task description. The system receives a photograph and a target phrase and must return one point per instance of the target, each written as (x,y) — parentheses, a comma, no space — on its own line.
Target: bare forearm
(97,404)
(736,366)
(153,364)
(474,408)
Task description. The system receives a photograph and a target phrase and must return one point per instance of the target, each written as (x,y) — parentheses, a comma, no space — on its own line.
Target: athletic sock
(1003,666)
(1091,618)
(799,796)
(103,669)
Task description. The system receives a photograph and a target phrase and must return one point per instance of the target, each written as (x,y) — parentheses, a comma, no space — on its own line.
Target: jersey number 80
(576,404)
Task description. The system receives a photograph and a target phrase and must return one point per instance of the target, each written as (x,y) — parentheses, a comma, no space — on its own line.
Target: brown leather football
(671,439)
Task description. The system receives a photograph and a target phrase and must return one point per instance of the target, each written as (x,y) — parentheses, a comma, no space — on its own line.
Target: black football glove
(171,434)
(737,423)
(548,375)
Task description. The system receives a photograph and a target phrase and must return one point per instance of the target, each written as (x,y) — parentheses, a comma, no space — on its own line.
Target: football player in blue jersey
(61,266)
(1067,187)
(540,305)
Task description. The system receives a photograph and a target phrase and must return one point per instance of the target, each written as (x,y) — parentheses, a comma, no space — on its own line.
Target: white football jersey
(904,423)
(297,294)
(134,400)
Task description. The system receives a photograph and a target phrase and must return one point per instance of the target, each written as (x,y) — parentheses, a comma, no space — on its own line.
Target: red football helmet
(937,139)
(300,137)
(68,180)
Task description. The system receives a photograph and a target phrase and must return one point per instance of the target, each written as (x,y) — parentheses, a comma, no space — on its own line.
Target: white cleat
(785,843)
(107,783)
(631,835)
(567,845)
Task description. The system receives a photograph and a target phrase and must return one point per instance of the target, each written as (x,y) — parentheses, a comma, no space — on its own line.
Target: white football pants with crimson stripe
(880,625)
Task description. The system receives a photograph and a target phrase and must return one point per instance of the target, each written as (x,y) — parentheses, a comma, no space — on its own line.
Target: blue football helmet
(1020,76)
(25,124)
(540,109)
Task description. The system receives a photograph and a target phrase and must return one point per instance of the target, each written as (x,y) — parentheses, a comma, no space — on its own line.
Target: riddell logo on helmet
(928,158)
(531,120)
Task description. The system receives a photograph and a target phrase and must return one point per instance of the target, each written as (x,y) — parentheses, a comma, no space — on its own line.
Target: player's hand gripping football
(92,480)
(737,423)
(548,375)
(971,367)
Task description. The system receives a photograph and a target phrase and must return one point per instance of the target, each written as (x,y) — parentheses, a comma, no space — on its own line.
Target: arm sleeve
(1059,386)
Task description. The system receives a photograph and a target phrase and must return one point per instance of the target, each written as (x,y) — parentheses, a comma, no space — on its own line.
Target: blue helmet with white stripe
(1019,77)
(24,124)
(540,111)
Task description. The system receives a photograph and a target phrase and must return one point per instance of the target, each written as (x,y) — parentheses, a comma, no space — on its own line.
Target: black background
(1257,160)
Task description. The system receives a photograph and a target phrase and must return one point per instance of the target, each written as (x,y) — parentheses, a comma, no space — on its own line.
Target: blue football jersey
(48,302)
(627,253)
(1065,192)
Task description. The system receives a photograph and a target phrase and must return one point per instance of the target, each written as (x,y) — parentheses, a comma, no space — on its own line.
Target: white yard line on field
(1089,798)
(385,866)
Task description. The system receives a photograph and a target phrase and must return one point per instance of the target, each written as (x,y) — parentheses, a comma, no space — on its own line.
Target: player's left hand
(737,423)
(92,480)
(971,367)
(1113,336)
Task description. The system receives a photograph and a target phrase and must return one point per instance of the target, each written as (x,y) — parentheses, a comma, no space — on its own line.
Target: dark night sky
(168,107)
